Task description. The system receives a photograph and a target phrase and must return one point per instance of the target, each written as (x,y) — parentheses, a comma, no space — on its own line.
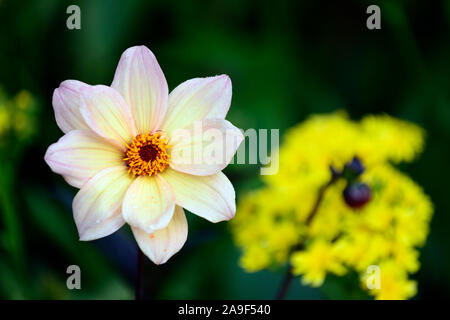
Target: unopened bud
(357,194)
(353,169)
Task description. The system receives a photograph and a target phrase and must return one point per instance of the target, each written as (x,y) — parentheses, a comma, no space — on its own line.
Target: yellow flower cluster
(16,115)
(271,227)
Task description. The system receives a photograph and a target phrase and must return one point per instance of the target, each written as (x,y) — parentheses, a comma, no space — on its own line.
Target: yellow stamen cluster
(147,154)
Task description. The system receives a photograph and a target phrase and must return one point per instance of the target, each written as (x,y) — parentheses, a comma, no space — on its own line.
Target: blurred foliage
(286,59)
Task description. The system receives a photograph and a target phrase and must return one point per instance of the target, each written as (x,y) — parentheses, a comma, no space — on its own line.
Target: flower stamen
(147,154)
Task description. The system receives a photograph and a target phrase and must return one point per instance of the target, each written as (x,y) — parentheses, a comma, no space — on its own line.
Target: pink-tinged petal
(198,99)
(66,104)
(149,204)
(162,244)
(141,82)
(205,147)
(210,197)
(97,207)
(107,114)
(80,154)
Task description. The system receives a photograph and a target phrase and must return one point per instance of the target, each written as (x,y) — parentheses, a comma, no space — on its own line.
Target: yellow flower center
(147,154)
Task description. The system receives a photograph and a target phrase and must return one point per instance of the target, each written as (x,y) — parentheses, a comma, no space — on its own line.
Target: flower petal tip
(231,216)
(160,261)
(225,217)
(66,104)
(225,81)
(161,245)
(225,78)
(83,238)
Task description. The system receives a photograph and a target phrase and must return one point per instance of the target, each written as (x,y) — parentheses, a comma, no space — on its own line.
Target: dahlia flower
(139,155)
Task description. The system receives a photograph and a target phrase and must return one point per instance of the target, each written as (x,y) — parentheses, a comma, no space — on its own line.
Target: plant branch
(285,284)
(322,190)
(288,277)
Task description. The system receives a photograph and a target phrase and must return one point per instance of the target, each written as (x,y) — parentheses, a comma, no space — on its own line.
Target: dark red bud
(357,194)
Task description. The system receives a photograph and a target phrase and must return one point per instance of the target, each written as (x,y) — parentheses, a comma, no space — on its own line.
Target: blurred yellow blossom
(394,283)
(314,263)
(4,119)
(16,116)
(386,232)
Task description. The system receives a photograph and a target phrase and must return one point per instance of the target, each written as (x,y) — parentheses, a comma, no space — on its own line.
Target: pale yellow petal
(162,244)
(97,207)
(149,203)
(210,197)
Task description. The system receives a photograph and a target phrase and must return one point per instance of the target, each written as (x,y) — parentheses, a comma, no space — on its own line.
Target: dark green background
(286,59)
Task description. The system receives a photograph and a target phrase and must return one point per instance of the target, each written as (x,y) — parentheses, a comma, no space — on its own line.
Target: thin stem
(286,283)
(139,275)
(322,190)
(288,277)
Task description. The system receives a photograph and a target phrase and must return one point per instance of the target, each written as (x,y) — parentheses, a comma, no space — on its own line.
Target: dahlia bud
(357,194)
(353,169)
